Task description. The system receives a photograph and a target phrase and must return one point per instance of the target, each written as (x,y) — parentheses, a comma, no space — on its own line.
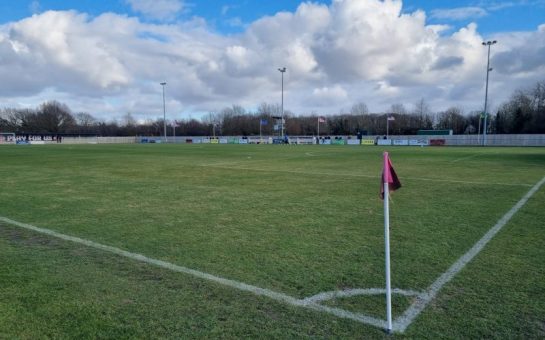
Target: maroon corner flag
(390,182)
(388,176)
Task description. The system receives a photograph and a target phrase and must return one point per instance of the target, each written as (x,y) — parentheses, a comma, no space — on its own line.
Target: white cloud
(70,53)
(496,5)
(34,7)
(157,9)
(351,51)
(329,95)
(460,13)
(235,22)
(226,8)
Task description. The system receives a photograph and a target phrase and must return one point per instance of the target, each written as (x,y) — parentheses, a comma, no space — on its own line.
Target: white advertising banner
(418,142)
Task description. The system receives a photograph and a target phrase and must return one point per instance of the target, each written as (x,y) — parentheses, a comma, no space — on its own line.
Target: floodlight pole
(164,112)
(479,129)
(282,71)
(488,69)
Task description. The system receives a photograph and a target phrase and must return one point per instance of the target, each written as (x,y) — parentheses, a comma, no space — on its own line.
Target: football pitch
(178,241)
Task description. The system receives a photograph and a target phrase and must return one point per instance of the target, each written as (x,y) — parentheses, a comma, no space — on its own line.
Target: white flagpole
(318,128)
(387,247)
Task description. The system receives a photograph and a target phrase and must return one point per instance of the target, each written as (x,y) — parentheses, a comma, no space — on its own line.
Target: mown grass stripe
(422,301)
(202,275)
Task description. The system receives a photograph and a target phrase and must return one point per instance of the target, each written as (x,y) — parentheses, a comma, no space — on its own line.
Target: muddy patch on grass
(25,238)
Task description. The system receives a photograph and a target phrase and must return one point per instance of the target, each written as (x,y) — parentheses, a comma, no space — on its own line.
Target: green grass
(297,220)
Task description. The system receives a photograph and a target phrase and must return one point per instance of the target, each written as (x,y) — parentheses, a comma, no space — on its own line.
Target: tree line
(524,112)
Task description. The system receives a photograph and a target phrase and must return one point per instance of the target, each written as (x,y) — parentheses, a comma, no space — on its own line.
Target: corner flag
(390,182)
(389,177)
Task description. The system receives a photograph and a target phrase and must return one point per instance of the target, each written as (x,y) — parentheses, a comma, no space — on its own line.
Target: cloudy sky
(108,57)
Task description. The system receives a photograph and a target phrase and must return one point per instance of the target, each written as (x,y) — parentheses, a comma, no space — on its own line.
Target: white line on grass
(465,182)
(400,324)
(220,280)
(424,299)
(336,174)
(468,157)
(354,292)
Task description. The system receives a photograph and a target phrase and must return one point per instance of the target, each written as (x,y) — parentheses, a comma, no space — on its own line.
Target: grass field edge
(422,301)
(400,324)
(281,297)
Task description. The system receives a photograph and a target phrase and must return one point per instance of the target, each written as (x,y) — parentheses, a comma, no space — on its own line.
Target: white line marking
(219,164)
(365,176)
(220,280)
(467,157)
(354,292)
(465,182)
(159,263)
(401,323)
(223,165)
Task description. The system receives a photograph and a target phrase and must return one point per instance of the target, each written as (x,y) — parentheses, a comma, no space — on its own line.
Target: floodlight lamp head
(493,42)
(163,83)
(282,69)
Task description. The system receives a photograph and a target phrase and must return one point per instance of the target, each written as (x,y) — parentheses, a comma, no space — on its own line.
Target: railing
(448,140)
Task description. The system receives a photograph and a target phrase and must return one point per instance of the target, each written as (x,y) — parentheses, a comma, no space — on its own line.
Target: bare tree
(453,119)
(54,117)
(128,120)
(398,109)
(85,119)
(267,110)
(359,109)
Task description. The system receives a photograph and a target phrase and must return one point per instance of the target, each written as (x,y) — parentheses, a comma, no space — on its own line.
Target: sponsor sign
(418,142)
(401,142)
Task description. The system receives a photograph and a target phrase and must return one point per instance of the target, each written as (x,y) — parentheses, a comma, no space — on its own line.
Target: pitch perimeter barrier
(401,142)
(411,140)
